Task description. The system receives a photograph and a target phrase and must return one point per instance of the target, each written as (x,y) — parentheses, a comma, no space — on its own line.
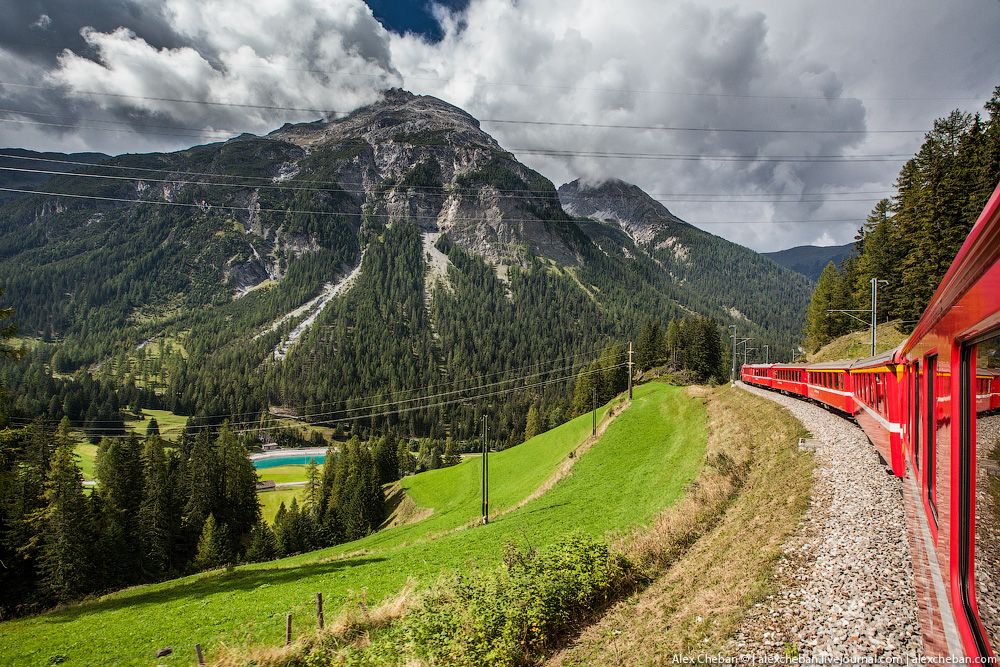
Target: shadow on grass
(221,581)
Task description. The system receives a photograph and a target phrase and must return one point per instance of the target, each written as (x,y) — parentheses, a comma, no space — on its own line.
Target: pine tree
(152,428)
(649,345)
(263,543)
(236,504)
(532,424)
(120,476)
(313,488)
(830,293)
(583,390)
(213,546)
(407,466)
(200,480)
(64,554)
(451,456)
(155,511)
(385,460)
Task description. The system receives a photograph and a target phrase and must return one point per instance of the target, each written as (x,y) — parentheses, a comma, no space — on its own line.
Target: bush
(516,614)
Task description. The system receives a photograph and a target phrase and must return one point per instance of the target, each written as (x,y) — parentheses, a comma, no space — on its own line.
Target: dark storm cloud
(849,66)
(26,33)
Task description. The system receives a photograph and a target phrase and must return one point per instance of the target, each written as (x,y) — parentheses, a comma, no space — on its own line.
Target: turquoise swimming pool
(289,461)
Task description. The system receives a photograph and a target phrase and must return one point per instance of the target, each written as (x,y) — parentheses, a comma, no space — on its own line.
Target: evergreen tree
(831,293)
(532,423)
(64,554)
(156,510)
(263,544)
(200,480)
(314,487)
(451,456)
(152,428)
(649,346)
(120,474)
(213,546)
(386,460)
(236,504)
(407,466)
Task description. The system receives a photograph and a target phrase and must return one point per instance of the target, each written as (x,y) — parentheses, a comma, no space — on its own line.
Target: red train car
(877,386)
(758,374)
(829,383)
(789,378)
(953,436)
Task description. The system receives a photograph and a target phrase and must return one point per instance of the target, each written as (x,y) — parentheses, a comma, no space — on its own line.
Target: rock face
(626,205)
(718,277)
(417,157)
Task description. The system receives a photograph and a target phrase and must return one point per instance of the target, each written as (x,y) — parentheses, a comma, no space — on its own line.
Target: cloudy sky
(854,78)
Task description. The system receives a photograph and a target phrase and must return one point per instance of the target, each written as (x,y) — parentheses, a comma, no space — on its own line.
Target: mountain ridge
(462,262)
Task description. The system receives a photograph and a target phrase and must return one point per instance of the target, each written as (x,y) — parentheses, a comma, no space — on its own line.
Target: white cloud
(763,64)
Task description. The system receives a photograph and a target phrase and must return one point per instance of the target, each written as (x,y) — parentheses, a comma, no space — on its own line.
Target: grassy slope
(87,458)
(288,473)
(171,425)
(697,604)
(641,464)
(858,344)
(271,500)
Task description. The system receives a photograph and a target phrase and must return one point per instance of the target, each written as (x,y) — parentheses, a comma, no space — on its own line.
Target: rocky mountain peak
(621,203)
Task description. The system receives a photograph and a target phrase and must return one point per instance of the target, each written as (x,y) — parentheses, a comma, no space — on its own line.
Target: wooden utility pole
(630,370)
(486,471)
(593,404)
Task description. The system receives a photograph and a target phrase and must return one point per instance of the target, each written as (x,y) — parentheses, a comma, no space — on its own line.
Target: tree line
(911,238)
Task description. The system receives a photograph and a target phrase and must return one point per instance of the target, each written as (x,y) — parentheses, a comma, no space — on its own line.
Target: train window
(916,414)
(931,446)
(979,481)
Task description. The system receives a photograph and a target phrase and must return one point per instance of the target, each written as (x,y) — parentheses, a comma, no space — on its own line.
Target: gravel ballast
(845,583)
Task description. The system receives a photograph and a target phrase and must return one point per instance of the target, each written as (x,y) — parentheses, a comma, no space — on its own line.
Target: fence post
(197,652)
(288,629)
(319,610)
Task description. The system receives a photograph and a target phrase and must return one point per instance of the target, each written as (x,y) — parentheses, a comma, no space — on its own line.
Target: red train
(931,408)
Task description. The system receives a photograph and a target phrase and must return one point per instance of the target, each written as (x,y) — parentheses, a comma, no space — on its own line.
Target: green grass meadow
(171,425)
(640,465)
(270,501)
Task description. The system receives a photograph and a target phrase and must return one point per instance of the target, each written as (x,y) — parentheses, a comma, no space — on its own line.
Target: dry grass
(715,550)
(352,627)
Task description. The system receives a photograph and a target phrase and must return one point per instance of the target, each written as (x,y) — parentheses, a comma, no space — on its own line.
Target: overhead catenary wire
(664,128)
(511,193)
(453,401)
(553,197)
(567,220)
(346,410)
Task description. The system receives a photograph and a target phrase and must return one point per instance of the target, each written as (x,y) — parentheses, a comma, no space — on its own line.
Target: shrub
(517,613)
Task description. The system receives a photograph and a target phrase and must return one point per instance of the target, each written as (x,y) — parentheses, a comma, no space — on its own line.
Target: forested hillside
(810,260)
(336,267)
(911,239)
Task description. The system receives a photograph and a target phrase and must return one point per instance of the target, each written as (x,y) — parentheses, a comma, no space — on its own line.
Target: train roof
(888,358)
(839,364)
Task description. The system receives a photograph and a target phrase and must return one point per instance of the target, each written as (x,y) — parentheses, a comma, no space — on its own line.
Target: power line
(547,152)
(453,401)
(207,206)
(519,193)
(345,411)
(554,197)
(667,128)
